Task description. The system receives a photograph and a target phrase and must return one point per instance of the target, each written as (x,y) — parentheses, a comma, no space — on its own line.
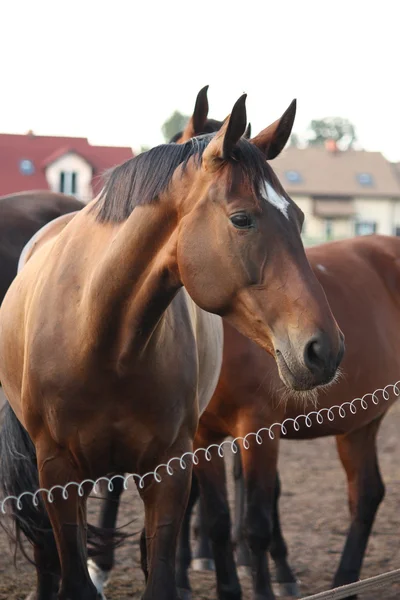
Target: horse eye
(242,221)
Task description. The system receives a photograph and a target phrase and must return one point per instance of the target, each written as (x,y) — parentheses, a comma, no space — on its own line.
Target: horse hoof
(203,564)
(290,589)
(184,594)
(244,570)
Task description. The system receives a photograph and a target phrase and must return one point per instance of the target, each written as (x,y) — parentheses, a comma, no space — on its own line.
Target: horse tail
(19,474)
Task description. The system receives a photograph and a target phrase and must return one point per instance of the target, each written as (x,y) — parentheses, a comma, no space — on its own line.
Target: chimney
(331,146)
(30,133)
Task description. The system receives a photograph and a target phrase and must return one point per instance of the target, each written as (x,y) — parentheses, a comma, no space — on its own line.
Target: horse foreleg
(278,549)
(203,559)
(100,565)
(184,555)
(165,504)
(68,519)
(357,451)
(47,569)
(211,476)
(243,558)
(259,469)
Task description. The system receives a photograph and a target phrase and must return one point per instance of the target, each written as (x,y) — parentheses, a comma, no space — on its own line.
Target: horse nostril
(314,356)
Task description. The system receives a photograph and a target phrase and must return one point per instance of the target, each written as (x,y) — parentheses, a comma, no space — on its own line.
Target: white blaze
(271,196)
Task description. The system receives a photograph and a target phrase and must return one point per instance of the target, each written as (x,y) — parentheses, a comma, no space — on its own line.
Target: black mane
(142,179)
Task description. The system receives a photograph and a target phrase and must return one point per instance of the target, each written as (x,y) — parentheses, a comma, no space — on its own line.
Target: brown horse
(21,216)
(361,278)
(107,362)
(102,560)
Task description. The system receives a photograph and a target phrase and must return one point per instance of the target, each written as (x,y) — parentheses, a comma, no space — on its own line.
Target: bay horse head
(235,240)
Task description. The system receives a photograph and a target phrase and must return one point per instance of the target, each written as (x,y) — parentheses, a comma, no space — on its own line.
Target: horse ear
(198,119)
(247,133)
(272,140)
(221,146)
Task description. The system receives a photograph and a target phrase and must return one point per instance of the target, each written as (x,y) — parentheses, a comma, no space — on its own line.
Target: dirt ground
(314,518)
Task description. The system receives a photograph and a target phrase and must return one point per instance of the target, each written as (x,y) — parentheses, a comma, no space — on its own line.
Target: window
(26,167)
(328,229)
(365,227)
(364,179)
(293,176)
(397,231)
(68,182)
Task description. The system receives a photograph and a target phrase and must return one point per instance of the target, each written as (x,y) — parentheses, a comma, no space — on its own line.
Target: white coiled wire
(329,413)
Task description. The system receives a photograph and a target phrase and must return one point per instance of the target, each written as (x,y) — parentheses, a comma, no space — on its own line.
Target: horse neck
(136,282)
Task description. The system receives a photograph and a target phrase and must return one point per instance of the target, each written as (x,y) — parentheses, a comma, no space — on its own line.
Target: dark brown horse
(21,216)
(107,362)
(361,278)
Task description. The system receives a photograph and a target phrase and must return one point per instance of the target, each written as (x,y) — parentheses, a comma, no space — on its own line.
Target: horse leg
(143,554)
(100,565)
(184,555)
(68,519)
(47,567)
(211,475)
(165,504)
(243,558)
(202,556)
(259,468)
(357,451)
(286,580)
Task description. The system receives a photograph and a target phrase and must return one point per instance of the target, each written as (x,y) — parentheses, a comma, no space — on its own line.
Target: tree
(143,148)
(175,123)
(294,141)
(332,128)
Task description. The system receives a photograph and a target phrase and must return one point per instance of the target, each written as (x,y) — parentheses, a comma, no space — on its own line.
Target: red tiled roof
(42,150)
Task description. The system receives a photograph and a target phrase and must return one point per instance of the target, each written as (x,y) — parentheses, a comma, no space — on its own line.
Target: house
(342,193)
(62,164)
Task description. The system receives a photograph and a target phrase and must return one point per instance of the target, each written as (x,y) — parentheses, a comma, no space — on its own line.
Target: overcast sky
(114,71)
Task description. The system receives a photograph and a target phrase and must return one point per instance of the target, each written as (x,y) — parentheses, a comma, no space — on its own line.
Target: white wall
(382,211)
(385,212)
(313,228)
(71,162)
